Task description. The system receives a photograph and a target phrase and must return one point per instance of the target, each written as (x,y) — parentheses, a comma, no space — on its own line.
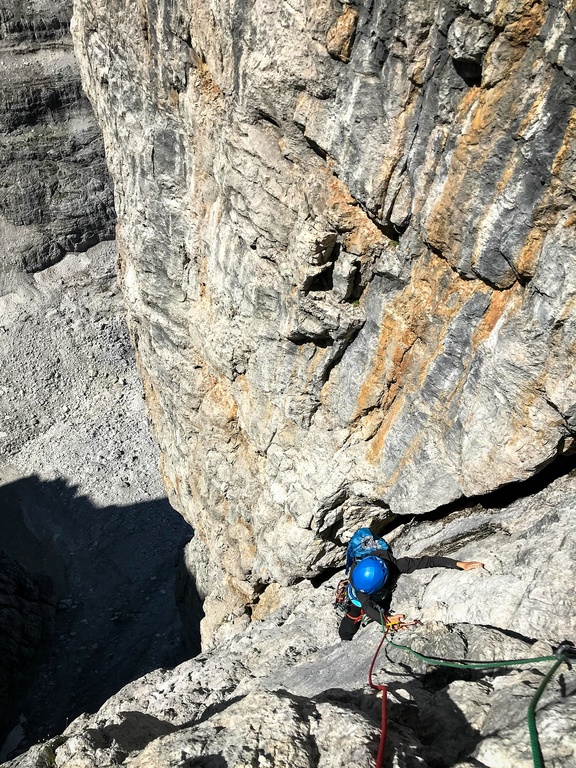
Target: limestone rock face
(346,236)
(55,192)
(278,730)
(27,619)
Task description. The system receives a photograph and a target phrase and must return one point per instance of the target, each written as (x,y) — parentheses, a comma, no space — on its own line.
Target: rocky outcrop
(55,192)
(27,619)
(346,236)
(287,692)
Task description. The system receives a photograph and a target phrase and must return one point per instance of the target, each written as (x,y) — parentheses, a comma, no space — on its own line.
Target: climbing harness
(343,603)
(563,654)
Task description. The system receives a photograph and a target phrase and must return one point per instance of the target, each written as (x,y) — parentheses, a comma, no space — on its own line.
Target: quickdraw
(342,600)
(400,624)
(392,624)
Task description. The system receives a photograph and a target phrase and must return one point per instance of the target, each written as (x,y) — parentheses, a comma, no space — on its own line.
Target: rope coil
(563,654)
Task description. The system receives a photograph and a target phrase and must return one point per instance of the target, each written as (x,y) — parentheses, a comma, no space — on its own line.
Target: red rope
(382,745)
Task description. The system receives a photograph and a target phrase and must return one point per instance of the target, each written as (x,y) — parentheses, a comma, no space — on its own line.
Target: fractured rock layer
(346,237)
(55,192)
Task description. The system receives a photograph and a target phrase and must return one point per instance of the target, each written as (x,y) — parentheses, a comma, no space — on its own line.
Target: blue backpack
(363,543)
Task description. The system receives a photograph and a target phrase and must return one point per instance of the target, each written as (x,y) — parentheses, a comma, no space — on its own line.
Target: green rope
(531,715)
(471,664)
(534,743)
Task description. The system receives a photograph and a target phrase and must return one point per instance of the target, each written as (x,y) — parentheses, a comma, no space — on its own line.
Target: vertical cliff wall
(346,236)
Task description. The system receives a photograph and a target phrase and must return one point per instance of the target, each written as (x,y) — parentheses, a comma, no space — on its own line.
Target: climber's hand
(464,566)
(397,618)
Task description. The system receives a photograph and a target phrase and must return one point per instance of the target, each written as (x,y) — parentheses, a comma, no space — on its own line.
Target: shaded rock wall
(27,619)
(346,236)
(55,192)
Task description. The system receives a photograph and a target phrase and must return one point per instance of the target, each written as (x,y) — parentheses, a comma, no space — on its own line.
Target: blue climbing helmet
(369,575)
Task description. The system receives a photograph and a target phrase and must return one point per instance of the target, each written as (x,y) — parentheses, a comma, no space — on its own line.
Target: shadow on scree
(118,576)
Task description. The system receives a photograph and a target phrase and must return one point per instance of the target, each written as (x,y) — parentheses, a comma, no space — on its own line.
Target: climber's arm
(411,564)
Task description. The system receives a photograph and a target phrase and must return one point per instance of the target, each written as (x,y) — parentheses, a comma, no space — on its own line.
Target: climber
(373,578)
